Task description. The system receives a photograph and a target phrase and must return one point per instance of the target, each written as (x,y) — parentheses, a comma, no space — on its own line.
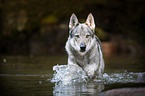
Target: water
(32,76)
(73,74)
(68,74)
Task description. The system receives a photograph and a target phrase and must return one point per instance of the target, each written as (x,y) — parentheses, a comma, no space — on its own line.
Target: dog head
(81,34)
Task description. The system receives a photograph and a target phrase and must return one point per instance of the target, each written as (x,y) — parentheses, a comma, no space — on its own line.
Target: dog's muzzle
(83,47)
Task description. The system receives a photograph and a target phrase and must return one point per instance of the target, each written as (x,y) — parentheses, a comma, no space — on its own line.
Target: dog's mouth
(83,47)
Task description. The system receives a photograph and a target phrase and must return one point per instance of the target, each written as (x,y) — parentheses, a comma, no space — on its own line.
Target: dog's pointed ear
(73,21)
(90,21)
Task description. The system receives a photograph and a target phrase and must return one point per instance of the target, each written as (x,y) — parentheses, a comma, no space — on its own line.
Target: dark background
(40,27)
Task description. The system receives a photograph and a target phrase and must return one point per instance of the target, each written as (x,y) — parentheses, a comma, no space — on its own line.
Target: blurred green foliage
(101,34)
(49,20)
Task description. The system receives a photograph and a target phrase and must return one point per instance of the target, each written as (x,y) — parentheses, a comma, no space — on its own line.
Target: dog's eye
(77,36)
(87,36)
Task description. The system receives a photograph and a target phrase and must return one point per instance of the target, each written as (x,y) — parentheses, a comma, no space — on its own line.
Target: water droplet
(4,60)
(40,82)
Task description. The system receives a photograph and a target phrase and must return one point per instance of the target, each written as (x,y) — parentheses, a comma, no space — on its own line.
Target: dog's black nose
(83,47)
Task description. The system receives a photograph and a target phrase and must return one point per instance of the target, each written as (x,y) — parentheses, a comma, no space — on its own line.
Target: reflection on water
(77,89)
(31,76)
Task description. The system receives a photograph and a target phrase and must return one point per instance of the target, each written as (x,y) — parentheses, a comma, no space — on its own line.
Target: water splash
(70,74)
(125,77)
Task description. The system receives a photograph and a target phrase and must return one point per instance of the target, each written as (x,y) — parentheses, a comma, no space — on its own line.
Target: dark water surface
(31,76)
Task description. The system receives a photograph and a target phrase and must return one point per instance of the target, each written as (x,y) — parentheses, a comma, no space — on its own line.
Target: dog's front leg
(71,60)
(91,70)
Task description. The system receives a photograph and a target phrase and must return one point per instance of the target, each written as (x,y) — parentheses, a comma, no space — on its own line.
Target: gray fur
(91,59)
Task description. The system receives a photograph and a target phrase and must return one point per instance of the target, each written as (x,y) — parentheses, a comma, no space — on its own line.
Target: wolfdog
(84,48)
